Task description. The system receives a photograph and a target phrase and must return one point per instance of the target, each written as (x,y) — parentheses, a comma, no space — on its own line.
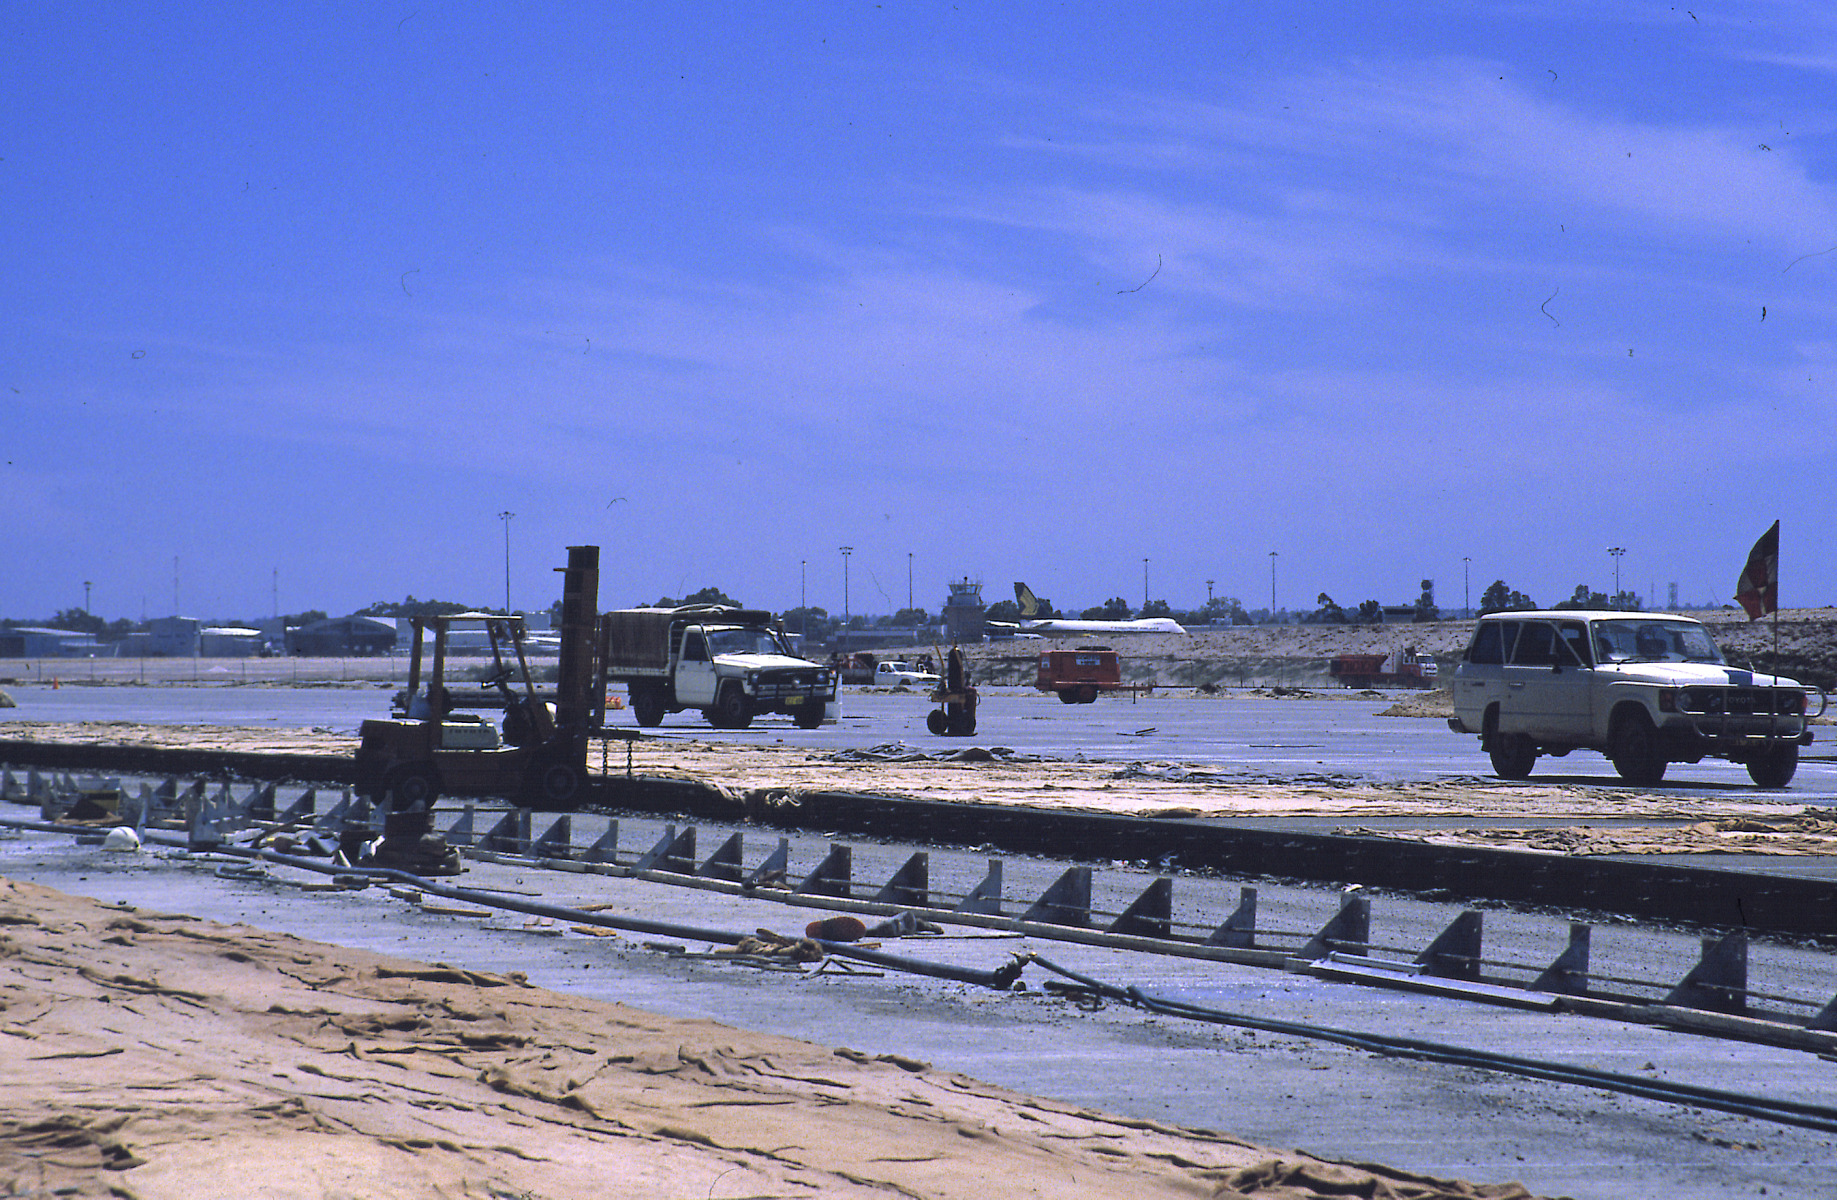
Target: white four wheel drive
(1645,689)
(899,674)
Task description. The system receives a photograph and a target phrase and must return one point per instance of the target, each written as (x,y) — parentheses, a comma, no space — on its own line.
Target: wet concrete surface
(1279,1090)
(1335,734)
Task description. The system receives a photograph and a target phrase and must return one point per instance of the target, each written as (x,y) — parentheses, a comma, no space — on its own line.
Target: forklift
(425,750)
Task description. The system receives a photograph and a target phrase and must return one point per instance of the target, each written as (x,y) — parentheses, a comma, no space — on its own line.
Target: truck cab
(730,664)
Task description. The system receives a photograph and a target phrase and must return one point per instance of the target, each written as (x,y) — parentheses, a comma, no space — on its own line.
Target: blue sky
(300,297)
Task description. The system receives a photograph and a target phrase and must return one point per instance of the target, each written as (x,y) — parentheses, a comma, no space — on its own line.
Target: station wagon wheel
(1634,751)
(1513,755)
(1775,768)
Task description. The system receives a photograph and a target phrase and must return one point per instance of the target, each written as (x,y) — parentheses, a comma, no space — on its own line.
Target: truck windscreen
(744,641)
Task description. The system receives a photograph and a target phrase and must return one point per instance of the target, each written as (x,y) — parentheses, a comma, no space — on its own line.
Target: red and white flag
(1758,589)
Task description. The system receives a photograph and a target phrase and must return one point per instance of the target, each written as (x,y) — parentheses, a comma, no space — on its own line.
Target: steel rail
(1781,1112)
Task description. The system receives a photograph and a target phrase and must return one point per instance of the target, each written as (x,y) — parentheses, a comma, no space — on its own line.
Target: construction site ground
(1271,755)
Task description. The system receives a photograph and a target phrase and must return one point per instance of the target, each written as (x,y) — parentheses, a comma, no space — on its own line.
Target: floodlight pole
(846,551)
(1615,552)
(506,517)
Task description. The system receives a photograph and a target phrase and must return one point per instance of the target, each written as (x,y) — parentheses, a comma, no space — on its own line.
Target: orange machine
(1077,675)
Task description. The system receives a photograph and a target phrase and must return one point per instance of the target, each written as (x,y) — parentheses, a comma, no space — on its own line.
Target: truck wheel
(936,721)
(1513,755)
(731,710)
(1775,768)
(1634,751)
(557,785)
(1088,696)
(1068,696)
(413,787)
(647,705)
(809,717)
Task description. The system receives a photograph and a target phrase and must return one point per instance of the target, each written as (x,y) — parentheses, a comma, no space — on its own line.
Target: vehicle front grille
(1741,701)
(794,683)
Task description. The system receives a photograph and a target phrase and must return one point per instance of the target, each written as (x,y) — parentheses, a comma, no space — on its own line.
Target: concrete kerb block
(1827,1017)
(1455,952)
(834,876)
(1569,973)
(774,870)
(1066,902)
(725,863)
(333,821)
(910,885)
(1151,914)
(558,842)
(606,848)
(510,835)
(1239,930)
(302,810)
(985,897)
(259,805)
(674,852)
(461,832)
(1350,929)
(1719,981)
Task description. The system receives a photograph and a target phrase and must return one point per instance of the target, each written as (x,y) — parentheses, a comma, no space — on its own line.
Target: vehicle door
(1480,679)
(695,670)
(1548,684)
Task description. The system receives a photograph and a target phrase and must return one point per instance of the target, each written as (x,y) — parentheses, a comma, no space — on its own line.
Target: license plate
(794,699)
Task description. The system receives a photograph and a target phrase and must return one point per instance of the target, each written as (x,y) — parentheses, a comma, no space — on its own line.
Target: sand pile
(149,1055)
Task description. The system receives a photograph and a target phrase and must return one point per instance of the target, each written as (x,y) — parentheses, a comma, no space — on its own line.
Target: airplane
(1067,627)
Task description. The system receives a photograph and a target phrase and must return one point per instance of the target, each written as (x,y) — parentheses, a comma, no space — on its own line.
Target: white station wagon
(1645,689)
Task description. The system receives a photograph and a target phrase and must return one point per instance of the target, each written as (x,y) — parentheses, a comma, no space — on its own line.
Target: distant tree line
(1500,598)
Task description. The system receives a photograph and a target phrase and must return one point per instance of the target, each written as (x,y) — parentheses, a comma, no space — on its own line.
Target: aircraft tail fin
(1030,606)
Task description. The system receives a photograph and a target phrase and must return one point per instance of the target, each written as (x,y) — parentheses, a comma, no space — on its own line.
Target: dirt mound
(152,1055)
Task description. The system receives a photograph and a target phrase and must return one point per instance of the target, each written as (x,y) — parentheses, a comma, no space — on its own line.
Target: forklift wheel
(557,785)
(413,787)
(936,721)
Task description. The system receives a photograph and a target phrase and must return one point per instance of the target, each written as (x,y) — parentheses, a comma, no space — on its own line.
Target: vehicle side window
(694,647)
(1536,645)
(1487,647)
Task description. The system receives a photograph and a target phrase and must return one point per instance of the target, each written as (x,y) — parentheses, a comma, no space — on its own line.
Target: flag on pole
(1758,589)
